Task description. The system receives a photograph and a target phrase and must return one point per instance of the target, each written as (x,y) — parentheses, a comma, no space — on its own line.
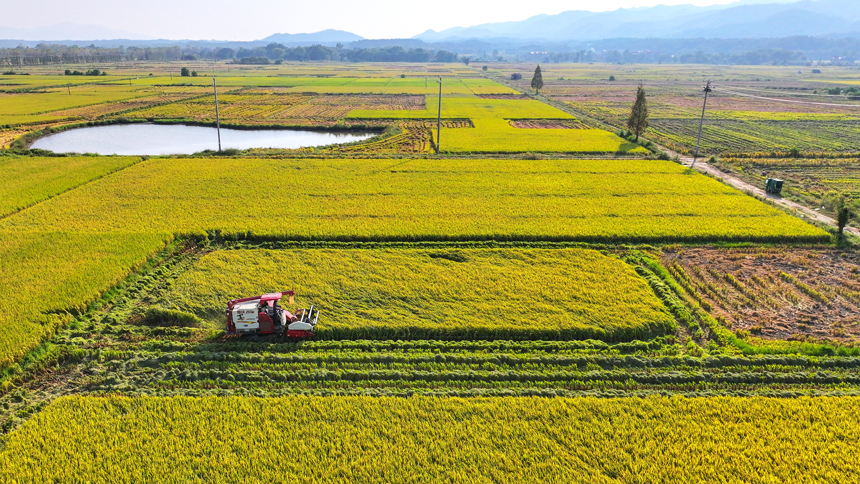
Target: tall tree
(843,213)
(638,121)
(842,218)
(537,81)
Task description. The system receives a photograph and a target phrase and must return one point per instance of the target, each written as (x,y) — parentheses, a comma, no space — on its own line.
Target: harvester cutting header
(263,315)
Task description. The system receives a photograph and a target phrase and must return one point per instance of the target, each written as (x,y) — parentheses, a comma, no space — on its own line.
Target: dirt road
(759,192)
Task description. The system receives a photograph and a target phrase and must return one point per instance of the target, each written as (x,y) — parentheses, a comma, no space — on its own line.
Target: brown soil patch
(502,96)
(775,293)
(546,124)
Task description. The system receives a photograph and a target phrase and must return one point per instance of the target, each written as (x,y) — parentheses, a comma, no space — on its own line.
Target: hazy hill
(736,20)
(325,36)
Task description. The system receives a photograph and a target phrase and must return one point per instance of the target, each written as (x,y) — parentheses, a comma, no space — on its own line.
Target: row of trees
(753,57)
(275,52)
(91,72)
(45,54)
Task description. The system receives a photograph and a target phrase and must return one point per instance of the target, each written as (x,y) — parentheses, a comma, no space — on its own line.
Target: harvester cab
(264,315)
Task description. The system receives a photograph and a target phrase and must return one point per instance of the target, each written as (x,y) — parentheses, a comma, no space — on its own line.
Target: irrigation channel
(178,139)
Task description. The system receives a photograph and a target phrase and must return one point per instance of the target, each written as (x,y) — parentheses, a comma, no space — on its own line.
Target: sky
(256,19)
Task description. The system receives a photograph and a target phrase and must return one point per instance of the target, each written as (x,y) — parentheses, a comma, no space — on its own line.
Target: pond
(179,139)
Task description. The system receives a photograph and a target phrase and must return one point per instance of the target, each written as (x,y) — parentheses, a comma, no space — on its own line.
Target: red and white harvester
(263,315)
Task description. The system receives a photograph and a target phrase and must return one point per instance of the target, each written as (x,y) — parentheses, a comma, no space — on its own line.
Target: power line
(773,91)
(707,90)
(724,90)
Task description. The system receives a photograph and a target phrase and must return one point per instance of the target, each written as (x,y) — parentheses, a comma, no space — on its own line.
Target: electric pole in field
(707,89)
(217,116)
(439,118)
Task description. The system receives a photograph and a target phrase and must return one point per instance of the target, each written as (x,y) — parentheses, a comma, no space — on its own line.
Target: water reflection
(177,139)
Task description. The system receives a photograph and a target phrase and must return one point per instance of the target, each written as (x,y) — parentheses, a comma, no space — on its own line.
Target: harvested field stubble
(776,293)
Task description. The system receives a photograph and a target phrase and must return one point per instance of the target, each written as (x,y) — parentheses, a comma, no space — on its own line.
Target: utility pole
(439,118)
(217,116)
(707,89)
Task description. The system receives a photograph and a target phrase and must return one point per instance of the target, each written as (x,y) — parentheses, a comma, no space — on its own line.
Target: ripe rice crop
(610,200)
(55,100)
(347,85)
(493,132)
(441,294)
(257,106)
(472,107)
(498,136)
(434,439)
(37,179)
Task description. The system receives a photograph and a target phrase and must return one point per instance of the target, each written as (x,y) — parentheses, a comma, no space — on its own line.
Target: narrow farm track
(758,192)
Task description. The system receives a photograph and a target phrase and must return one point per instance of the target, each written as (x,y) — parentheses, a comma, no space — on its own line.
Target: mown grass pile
(442,294)
(426,439)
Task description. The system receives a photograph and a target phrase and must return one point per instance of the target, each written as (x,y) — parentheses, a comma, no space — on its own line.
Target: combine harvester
(261,315)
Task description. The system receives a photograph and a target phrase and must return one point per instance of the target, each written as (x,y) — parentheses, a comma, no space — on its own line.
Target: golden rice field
(590,200)
(50,277)
(37,179)
(435,439)
(498,136)
(436,294)
(62,98)
(354,84)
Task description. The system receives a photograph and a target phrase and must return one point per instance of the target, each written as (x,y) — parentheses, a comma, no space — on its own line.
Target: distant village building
(516,77)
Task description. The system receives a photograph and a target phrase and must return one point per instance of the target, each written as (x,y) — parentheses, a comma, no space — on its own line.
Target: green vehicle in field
(774,186)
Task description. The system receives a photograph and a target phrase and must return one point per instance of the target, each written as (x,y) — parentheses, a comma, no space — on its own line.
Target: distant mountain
(744,19)
(68,31)
(70,34)
(326,36)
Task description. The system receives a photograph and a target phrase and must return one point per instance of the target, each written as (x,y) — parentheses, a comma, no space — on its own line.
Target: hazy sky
(255,19)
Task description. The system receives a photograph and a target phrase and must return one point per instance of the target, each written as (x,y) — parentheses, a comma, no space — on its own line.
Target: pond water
(178,139)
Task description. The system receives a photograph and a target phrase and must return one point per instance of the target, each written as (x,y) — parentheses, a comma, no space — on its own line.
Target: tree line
(276,52)
(45,54)
(780,57)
